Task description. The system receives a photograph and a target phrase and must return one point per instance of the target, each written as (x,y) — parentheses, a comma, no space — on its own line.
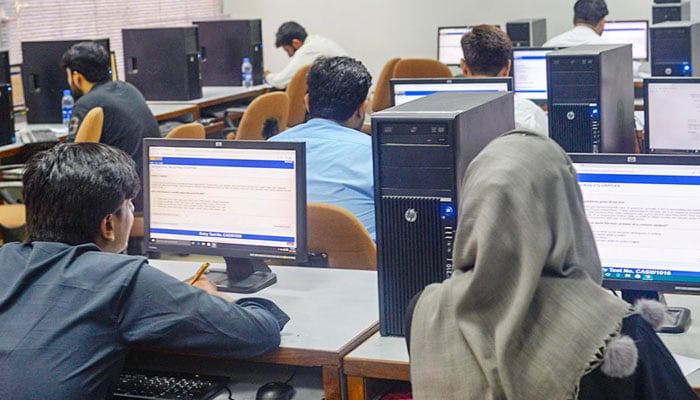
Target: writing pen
(199,273)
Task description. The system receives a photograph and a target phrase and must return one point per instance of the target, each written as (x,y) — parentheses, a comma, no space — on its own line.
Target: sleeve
(282,78)
(161,312)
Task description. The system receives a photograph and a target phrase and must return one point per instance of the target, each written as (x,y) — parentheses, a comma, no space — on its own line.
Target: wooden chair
(91,128)
(193,130)
(12,222)
(421,68)
(337,233)
(382,92)
(265,116)
(296,89)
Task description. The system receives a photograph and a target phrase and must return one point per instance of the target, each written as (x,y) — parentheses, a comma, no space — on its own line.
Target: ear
(296,43)
(505,70)
(106,232)
(600,26)
(306,102)
(465,68)
(361,109)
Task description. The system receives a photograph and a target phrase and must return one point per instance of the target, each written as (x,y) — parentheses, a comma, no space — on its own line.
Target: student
(303,50)
(487,52)
(589,22)
(524,315)
(338,156)
(70,308)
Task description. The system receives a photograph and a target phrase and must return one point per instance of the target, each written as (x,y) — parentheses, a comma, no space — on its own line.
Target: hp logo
(411,215)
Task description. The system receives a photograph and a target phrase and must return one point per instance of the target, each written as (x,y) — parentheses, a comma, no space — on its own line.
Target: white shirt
(580,34)
(530,116)
(314,46)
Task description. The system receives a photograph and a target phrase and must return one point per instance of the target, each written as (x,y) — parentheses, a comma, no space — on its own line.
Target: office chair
(421,68)
(382,92)
(296,89)
(12,222)
(265,116)
(338,234)
(91,128)
(192,130)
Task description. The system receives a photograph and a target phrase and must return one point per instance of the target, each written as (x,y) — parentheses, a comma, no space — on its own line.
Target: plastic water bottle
(246,73)
(66,107)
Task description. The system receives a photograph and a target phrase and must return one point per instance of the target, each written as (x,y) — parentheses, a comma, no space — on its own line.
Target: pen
(199,273)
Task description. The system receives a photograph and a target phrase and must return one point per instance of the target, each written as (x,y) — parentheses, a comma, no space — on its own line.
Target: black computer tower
(591,98)
(4,66)
(674,48)
(224,44)
(163,63)
(531,32)
(421,152)
(44,80)
(7,115)
(670,12)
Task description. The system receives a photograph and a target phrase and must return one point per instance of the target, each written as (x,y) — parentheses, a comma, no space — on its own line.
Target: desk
(384,357)
(164,112)
(218,95)
(332,311)
(12,149)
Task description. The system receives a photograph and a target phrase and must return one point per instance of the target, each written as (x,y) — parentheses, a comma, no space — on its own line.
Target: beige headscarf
(524,314)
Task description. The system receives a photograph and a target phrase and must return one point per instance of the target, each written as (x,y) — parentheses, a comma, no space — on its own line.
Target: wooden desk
(332,311)
(166,111)
(217,95)
(386,358)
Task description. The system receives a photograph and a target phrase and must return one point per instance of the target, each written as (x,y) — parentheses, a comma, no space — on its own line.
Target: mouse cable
(293,373)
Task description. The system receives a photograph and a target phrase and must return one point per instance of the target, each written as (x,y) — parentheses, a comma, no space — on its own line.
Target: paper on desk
(688,364)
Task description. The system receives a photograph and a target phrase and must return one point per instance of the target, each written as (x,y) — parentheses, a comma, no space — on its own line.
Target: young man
(338,155)
(302,48)
(487,52)
(589,22)
(70,309)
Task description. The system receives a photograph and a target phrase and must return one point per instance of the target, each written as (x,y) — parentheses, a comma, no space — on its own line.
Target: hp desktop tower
(7,115)
(44,80)
(163,63)
(527,32)
(679,11)
(224,44)
(674,49)
(591,98)
(421,152)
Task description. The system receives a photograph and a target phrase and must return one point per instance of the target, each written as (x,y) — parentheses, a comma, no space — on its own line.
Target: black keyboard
(143,384)
(37,135)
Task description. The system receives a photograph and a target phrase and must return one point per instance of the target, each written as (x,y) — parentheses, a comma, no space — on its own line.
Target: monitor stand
(677,318)
(242,275)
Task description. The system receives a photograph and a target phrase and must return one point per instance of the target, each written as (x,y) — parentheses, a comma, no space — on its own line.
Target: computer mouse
(275,391)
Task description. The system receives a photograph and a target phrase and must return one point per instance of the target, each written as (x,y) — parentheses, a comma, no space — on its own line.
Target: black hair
(71,187)
(289,31)
(590,11)
(337,87)
(90,59)
(487,49)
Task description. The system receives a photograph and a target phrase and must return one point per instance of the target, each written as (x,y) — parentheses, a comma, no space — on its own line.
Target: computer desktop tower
(421,152)
(591,98)
(7,115)
(670,12)
(44,80)
(163,63)
(4,66)
(674,49)
(530,32)
(223,46)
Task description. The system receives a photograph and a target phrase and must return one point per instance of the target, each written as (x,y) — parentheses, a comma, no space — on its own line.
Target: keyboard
(36,136)
(153,385)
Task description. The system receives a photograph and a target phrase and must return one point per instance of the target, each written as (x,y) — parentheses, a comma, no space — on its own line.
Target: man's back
(574,37)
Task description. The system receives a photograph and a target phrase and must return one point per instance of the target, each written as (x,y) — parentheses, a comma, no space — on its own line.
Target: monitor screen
(18,104)
(449,44)
(407,89)
(671,108)
(243,200)
(529,72)
(644,211)
(635,33)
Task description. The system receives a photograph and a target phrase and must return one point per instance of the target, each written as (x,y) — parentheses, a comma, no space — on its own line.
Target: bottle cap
(67,92)
(246,59)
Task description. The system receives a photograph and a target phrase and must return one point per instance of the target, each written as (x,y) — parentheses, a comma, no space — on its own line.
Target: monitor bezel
(539,102)
(647,132)
(648,46)
(500,79)
(440,28)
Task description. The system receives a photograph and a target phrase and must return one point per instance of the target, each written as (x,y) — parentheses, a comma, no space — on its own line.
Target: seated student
(589,22)
(487,53)
(303,50)
(338,156)
(71,308)
(524,315)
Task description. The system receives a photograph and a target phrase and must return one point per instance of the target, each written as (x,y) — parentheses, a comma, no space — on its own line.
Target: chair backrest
(91,128)
(269,106)
(382,92)
(12,222)
(192,130)
(296,89)
(336,232)
(421,68)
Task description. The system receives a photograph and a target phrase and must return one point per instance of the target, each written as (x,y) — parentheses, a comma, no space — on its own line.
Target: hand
(205,284)
(266,72)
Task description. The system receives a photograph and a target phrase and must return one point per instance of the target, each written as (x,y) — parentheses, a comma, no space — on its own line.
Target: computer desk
(166,111)
(332,311)
(373,364)
(213,96)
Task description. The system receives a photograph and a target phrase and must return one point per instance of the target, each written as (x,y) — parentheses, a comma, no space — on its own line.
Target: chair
(12,222)
(91,128)
(265,116)
(421,68)
(296,89)
(192,130)
(337,233)
(382,92)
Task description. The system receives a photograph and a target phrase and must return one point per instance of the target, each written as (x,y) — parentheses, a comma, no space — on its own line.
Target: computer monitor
(529,72)
(635,33)
(671,108)
(644,210)
(406,89)
(18,104)
(450,44)
(242,200)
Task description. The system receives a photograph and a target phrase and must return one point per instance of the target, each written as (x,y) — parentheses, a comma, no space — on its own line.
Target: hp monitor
(529,72)
(407,89)
(635,33)
(671,115)
(242,200)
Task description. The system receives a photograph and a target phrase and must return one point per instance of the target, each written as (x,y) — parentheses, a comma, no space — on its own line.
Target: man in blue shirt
(70,309)
(338,155)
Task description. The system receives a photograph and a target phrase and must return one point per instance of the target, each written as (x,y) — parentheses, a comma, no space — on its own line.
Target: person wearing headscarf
(524,315)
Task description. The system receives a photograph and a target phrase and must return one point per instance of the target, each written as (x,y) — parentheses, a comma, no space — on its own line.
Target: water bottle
(66,107)
(246,73)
